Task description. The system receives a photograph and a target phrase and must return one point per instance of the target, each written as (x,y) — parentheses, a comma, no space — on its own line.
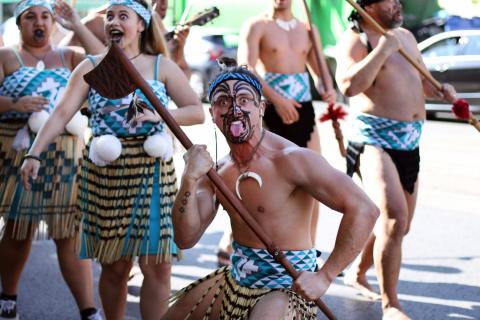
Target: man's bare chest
(260,189)
(275,41)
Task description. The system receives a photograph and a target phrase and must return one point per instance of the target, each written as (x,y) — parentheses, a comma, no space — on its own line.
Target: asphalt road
(440,277)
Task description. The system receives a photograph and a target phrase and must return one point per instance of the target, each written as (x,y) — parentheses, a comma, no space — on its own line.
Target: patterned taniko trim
(135,6)
(386,133)
(294,86)
(256,268)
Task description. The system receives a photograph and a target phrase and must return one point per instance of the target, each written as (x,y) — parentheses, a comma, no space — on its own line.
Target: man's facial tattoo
(237,126)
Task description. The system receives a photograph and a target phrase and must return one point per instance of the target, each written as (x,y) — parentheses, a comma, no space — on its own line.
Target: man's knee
(407,229)
(395,228)
(274,305)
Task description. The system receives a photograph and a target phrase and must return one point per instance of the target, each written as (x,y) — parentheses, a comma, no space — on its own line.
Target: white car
(454,57)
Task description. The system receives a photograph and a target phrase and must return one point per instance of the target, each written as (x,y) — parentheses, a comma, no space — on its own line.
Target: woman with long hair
(126,186)
(33,77)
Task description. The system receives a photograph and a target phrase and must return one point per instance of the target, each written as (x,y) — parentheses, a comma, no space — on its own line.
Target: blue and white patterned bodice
(109,116)
(29,81)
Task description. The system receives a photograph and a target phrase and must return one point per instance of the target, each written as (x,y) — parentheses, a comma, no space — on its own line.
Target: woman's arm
(190,109)
(75,94)
(69,19)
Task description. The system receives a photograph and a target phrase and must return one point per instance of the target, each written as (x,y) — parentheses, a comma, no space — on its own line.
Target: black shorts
(298,132)
(407,163)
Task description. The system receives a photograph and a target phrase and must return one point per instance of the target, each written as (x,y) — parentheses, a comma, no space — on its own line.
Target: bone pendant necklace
(40,66)
(286,25)
(245,174)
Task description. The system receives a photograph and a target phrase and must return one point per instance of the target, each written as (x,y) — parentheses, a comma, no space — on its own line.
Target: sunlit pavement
(440,277)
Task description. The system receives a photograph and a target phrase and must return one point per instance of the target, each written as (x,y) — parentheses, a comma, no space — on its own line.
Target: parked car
(202,49)
(454,57)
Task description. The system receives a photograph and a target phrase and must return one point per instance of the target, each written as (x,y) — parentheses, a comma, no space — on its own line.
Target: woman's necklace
(40,66)
(244,174)
(135,56)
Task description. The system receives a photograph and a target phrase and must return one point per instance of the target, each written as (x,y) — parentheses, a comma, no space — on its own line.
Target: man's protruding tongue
(236,128)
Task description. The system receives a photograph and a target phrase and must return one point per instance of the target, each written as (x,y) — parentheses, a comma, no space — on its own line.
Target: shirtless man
(277,46)
(95,22)
(256,287)
(388,99)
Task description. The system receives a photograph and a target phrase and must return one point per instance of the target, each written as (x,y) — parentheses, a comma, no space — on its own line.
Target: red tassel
(461,109)
(333,113)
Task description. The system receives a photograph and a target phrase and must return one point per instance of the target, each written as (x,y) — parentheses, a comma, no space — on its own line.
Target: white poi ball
(159,146)
(37,119)
(108,148)
(77,125)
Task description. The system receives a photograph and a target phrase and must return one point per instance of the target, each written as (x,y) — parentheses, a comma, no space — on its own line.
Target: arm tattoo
(184,201)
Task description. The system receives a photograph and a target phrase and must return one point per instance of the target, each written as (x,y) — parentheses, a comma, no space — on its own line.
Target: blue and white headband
(143,12)
(234,76)
(27,4)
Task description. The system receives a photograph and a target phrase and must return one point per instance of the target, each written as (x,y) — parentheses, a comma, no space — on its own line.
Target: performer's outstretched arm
(337,191)
(68,18)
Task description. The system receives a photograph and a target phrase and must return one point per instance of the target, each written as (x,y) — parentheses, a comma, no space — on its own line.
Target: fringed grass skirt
(218,296)
(52,198)
(127,206)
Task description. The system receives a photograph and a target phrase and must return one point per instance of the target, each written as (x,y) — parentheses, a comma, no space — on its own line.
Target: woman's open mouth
(116,35)
(38,35)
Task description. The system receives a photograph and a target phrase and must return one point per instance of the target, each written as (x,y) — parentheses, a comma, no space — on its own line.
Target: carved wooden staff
(460,104)
(116,77)
(335,113)
(328,116)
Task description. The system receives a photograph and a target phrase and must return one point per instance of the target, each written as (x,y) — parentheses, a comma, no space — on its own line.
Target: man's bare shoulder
(258,22)
(282,149)
(350,35)
(351,44)
(406,34)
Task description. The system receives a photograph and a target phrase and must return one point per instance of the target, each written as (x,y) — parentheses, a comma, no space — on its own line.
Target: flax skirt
(219,296)
(52,198)
(127,206)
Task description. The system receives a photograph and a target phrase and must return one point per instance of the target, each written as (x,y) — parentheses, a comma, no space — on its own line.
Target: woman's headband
(27,4)
(143,12)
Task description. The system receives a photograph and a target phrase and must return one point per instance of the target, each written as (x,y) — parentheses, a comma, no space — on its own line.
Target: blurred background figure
(34,75)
